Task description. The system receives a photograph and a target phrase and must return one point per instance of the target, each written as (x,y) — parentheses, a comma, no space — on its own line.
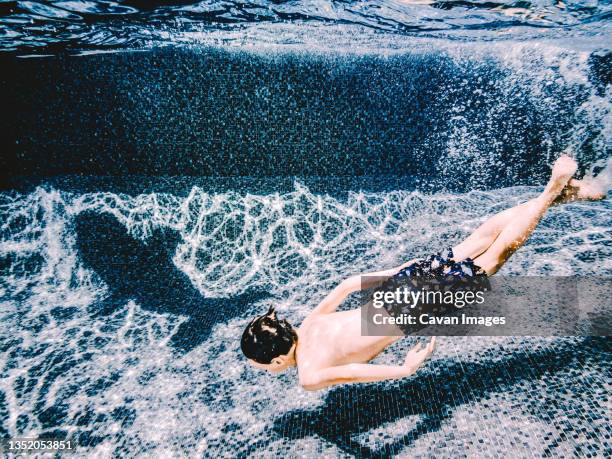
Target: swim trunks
(440,266)
(436,273)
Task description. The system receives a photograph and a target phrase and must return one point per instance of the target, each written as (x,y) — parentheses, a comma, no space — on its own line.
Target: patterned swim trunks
(440,266)
(438,273)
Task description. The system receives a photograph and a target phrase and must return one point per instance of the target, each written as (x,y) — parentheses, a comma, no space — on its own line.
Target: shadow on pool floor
(351,410)
(144,272)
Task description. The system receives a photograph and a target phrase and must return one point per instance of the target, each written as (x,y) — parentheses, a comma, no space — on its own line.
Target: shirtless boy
(328,347)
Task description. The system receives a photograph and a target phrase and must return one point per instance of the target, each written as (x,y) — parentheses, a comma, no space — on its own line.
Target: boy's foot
(562,172)
(587,189)
(563,169)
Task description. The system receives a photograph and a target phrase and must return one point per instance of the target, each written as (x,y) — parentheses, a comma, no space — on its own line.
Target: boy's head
(269,343)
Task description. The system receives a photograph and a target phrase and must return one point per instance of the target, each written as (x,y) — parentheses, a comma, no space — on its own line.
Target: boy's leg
(525,219)
(484,236)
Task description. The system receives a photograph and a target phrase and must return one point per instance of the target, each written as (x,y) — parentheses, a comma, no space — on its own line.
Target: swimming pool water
(152,202)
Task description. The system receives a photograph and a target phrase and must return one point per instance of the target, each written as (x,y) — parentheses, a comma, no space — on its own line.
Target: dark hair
(266,337)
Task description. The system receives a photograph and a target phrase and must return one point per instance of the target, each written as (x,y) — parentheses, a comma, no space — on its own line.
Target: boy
(328,347)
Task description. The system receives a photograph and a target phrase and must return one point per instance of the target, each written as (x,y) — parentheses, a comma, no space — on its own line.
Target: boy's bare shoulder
(317,319)
(310,320)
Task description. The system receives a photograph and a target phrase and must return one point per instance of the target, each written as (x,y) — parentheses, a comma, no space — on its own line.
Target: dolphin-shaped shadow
(144,272)
(433,395)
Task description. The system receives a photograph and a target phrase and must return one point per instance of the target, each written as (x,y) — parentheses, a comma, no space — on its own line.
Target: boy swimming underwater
(328,348)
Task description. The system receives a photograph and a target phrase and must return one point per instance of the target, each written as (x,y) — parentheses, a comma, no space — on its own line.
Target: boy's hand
(418,354)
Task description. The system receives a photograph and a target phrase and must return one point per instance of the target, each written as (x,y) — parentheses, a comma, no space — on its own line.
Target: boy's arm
(353,284)
(365,372)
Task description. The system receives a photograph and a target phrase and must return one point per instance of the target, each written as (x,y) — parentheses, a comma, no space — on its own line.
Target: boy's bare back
(333,340)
